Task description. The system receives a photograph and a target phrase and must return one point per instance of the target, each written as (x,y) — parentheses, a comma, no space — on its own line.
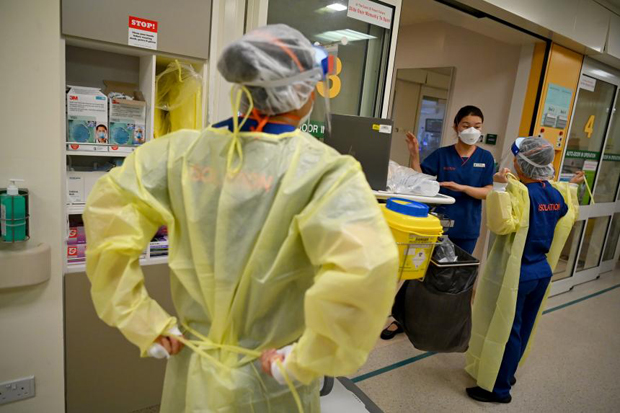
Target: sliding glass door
(593,146)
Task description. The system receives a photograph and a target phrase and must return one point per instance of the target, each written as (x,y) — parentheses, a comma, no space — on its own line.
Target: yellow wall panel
(563,69)
(536,71)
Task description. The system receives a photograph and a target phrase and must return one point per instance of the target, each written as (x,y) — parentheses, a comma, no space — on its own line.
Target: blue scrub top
(476,171)
(547,206)
(272,128)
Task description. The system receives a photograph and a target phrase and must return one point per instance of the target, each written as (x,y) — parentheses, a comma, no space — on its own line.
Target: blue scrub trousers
(466,244)
(530,296)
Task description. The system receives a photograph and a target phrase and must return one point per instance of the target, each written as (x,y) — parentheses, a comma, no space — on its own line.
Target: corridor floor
(573,366)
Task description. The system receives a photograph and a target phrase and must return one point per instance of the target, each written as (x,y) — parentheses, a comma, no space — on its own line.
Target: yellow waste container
(415,232)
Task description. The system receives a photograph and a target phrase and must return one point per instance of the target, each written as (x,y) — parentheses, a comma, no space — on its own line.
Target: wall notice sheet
(142,33)
(371,12)
(557,106)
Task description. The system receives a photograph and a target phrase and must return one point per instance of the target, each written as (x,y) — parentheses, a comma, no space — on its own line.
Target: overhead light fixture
(333,36)
(337,7)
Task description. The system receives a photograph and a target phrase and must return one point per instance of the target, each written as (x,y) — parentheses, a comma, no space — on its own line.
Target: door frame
(257,13)
(603,73)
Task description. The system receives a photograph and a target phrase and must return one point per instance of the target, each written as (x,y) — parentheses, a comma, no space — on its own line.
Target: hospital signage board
(575,154)
(142,33)
(587,83)
(589,166)
(490,139)
(371,12)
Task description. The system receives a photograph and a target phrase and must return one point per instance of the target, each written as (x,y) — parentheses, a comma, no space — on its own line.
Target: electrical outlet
(12,391)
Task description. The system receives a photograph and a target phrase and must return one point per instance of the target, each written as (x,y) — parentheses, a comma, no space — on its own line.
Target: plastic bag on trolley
(178,101)
(445,251)
(436,312)
(403,180)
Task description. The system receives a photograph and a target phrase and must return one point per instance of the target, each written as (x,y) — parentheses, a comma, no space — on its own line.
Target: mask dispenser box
(127,116)
(87,119)
(80,184)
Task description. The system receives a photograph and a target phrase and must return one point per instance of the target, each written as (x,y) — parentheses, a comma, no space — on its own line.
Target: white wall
(31,115)
(512,129)
(484,76)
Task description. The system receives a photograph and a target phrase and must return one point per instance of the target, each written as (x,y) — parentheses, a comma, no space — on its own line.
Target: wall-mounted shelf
(106,154)
(25,267)
(81,267)
(128,50)
(89,63)
(75,209)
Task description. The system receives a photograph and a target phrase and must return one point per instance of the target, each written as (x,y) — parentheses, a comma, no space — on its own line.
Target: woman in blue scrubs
(464,171)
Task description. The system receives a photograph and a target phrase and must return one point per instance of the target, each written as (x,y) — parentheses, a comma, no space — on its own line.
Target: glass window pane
(587,133)
(612,241)
(591,249)
(566,263)
(419,105)
(357,87)
(608,178)
(430,125)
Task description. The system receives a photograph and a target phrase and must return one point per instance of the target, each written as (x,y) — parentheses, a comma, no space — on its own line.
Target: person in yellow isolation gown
(532,218)
(279,254)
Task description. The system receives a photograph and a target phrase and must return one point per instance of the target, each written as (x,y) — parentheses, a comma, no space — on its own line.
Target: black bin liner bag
(436,313)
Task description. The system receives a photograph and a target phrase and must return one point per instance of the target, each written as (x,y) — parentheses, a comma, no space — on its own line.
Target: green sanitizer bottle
(12,214)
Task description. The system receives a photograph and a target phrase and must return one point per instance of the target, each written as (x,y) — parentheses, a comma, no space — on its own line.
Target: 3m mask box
(87,119)
(127,117)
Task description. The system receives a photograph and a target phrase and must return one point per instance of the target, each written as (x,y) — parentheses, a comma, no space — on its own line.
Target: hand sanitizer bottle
(13,214)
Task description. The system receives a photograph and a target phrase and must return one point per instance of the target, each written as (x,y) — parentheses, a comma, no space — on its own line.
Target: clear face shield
(327,63)
(534,170)
(506,160)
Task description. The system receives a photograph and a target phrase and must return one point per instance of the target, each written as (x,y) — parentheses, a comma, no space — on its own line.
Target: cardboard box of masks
(127,116)
(87,119)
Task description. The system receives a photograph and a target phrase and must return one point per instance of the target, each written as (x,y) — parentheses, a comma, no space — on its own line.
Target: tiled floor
(573,366)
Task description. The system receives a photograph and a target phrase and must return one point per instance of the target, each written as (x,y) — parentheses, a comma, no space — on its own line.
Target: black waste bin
(436,312)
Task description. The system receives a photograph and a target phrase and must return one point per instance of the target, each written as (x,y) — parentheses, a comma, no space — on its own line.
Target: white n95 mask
(470,136)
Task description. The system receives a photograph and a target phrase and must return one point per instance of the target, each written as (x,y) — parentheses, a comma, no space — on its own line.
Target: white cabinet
(181,27)
(89,64)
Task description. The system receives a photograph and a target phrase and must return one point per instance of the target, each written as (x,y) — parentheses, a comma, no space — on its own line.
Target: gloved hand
(269,360)
(501,177)
(165,346)
(578,177)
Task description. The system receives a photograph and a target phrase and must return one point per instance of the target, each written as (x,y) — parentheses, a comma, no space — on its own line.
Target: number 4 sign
(589,129)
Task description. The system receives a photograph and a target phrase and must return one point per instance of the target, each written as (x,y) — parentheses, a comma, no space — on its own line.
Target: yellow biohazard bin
(415,232)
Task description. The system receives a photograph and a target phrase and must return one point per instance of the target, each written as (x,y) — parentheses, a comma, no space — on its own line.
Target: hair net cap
(269,54)
(535,158)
